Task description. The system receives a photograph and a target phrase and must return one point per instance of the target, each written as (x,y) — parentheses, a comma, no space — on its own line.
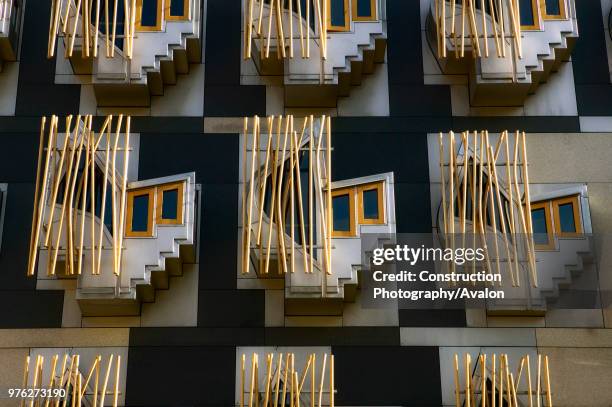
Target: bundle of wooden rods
(271,163)
(68,15)
(282,370)
(502,16)
(472,159)
(69,382)
(282,17)
(66,172)
(497,385)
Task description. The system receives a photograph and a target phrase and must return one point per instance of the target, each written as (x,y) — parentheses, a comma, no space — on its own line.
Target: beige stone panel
(64,337)
(574,337)
(608,318)
(580,377)
(230,125)
(600,196)
(110,322)
(515,322)
(559,158)
(275,307)
(11,372)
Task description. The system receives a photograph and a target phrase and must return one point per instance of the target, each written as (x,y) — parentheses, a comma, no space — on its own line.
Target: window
(542,226)
(176,10)
(338,15)
(148,15)
(370,203)
(368,199)
(139,221)
(553,9)
(558,217)
(364,10)
(566,214)
(343,210)
(530,18)
(170,204)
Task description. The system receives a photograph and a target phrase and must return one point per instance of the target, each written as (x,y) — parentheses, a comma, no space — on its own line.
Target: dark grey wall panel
(181,376)
(37,95)
(387,376)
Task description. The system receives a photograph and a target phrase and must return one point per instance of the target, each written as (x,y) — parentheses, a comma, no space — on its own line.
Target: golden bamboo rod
(106,377)
(262,194)
(104,192)
(35,230)
(322,380)
(248,32)
(292,200)
(493,380)
(126,158)
(300,206)
(278,376)
(310,193)
(242,368)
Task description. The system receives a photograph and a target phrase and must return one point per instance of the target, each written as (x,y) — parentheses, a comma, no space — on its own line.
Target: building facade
(206,202)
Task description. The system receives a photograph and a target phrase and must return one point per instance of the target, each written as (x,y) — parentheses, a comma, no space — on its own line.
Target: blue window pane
(567,222)
(364,8)
(177,8)
(337,12)
(169,204)
(527,17)
(540,232)
(370,204)
(341,211)
(149,13)
(140,213)
(553,8)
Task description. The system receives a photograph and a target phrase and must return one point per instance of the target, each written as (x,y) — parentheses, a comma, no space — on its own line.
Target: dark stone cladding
(223,94)
(590,62)
(37,94)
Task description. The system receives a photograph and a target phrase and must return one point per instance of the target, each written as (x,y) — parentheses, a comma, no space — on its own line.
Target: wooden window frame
(379,187)
(562,9)
(159,20)
(535,9)
(179,203)
(549,226)
(372,17)
(347,20)
(150,191)
(577,219)
(352,232)
(186,9)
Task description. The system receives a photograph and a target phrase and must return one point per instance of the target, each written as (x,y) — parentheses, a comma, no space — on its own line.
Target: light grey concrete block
(467,336)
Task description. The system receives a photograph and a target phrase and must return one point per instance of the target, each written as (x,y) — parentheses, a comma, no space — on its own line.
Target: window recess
(140,203)
(530,14)
(338,15)
(364,10)
(176,10)
(559,217)
(357,205)
(553,9)
(170,204)
(149,15)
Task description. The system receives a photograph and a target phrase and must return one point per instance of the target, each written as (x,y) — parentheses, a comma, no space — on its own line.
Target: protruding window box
(10,28)
(321,49)
(298,229)
(119,238)
(519,53)
(140,53)
(535,237)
